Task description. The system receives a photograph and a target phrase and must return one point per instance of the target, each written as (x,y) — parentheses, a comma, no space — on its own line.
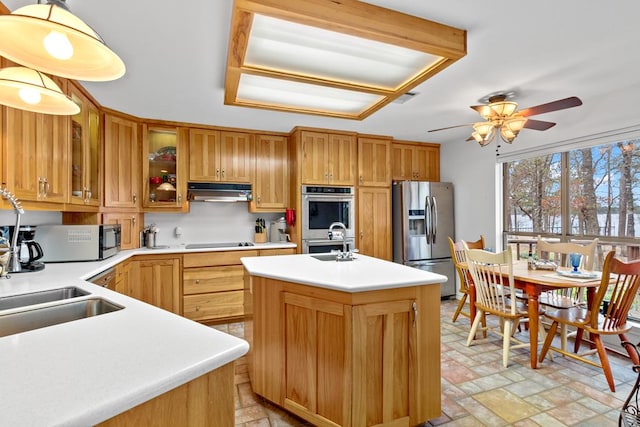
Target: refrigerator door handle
(434,219)
(427,219)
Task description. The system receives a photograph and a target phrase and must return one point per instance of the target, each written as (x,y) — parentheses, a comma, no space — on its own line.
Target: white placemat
(555,275)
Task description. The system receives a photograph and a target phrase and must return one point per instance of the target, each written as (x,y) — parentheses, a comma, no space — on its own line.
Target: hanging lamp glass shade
(30,90)
(50,39)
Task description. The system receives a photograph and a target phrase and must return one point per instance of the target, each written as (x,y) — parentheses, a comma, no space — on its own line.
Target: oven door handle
(329,199)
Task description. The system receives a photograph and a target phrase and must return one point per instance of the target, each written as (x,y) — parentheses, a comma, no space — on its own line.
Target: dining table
(533,283)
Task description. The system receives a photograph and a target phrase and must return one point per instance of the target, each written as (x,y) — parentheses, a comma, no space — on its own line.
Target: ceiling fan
(502,117)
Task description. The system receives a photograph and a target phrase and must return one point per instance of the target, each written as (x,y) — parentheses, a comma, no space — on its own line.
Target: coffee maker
(29,250)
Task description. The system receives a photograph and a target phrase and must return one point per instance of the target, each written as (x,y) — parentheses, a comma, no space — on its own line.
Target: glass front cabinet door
(85,151)
(164,177)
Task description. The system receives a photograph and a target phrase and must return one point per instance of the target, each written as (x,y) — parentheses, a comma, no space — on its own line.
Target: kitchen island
(353,343)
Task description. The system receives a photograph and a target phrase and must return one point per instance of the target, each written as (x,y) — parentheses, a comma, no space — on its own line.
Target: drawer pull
(197,281)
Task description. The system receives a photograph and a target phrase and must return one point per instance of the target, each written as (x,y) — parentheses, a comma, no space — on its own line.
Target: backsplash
(205,223)
(208,222)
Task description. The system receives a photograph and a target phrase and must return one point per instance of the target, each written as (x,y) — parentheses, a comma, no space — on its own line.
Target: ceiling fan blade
(560,104)
(538,124)
(470,139)
(450,127)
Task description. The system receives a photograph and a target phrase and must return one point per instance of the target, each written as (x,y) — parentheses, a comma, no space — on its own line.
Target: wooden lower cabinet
(346,359)
(374,222)
(213,285)
(155,279)
(205,401)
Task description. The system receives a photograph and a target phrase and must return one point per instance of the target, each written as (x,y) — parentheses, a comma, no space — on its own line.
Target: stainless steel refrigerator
(422,220)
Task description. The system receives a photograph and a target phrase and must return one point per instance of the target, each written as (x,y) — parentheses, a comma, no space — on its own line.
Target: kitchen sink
(22,300)
(325,257)
(36,318)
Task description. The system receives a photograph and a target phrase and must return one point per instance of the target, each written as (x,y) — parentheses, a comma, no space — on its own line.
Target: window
(576,196)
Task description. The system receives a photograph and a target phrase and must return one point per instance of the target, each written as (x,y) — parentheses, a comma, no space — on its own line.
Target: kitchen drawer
(283,251)
(212,279)
(207,259)
(213,306)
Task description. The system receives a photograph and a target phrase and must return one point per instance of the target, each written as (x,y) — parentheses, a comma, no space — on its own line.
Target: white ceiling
(175,53)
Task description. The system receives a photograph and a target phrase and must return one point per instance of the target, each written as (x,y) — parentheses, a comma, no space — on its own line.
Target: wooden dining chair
(565,297)
(460,264)
(492,275)
(619,285)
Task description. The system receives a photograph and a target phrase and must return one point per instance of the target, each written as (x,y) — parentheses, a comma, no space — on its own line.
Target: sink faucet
(345,255)
(14,260)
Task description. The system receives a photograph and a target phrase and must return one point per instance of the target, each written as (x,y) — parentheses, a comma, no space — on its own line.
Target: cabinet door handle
(47,187)
(217,173)
(361,179)
(40,185)
(135,198)
(415,312)
(179,199)
(223,173)
(330,177)
(197,281)
(361,234)
(259,200)
(133,220)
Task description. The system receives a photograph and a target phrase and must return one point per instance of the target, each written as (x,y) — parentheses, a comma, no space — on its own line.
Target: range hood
(219,192)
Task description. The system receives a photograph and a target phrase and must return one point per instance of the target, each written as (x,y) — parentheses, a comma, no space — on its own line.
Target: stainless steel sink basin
(23,300)
(325,257)
(36,318)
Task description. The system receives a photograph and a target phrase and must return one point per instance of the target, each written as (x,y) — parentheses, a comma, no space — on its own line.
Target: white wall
(471,169)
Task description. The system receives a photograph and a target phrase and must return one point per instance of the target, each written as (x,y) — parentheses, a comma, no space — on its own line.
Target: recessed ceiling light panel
(342,59)
(302,96)
(330,55)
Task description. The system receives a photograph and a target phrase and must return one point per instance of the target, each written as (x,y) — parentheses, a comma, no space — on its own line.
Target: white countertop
(362,274)
(85,371)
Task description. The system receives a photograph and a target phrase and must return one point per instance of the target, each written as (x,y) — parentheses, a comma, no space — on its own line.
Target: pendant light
(50,39)
(30,90)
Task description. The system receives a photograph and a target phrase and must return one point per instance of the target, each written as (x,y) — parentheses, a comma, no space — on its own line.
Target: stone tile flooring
(478,391)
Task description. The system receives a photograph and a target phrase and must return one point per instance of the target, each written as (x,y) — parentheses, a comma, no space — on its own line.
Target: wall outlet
(178,231)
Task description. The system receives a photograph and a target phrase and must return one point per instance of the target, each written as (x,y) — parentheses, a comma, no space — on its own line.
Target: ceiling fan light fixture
(483,129)
(50,39)
(515,124)
(507,135)
(503,108)
(28,89)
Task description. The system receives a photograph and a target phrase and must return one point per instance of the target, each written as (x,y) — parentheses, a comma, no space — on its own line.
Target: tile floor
(478,391)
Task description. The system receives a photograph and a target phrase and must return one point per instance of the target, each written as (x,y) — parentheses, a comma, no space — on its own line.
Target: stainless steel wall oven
(322,206)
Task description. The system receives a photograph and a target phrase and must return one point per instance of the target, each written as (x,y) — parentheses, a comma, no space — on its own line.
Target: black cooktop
(216,245)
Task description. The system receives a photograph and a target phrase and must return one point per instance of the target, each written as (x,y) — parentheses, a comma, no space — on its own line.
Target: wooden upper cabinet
(220,156)
(122,163)
(374,162)
(236,156)
(35,155)
(164,162)
(271,182)
(328,158)
(416,161)
(342,159)
(85,151)
(130,223)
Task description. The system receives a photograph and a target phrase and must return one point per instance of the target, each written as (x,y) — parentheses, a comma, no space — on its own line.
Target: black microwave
(71,243)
